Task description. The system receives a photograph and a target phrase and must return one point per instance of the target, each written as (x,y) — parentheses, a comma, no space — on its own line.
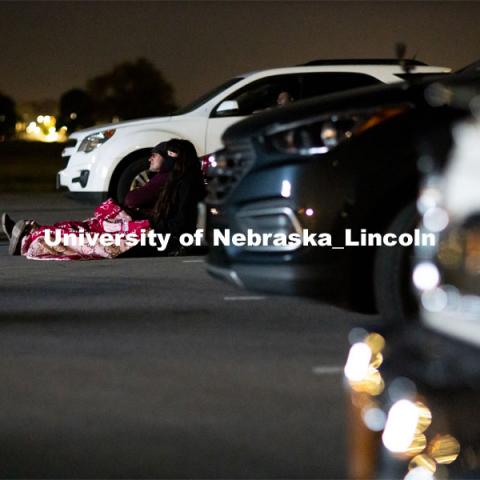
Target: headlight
(327,132)
(95,140)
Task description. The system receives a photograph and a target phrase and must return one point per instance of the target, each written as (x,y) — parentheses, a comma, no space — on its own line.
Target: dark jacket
(182,217)
(145,198)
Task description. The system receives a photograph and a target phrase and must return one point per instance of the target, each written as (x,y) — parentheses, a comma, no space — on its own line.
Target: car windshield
(208,96)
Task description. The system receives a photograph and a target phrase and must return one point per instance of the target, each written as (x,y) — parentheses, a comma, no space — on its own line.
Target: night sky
(47,48)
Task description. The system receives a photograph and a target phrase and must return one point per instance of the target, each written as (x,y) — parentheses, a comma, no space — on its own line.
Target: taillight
(207,161)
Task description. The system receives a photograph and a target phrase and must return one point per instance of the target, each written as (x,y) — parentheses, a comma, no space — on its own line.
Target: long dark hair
(185,163)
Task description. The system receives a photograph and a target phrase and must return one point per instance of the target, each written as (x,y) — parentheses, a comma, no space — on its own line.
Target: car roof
(365,61)
(367,67)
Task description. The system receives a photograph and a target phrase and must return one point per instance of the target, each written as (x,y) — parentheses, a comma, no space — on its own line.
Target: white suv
(111,159)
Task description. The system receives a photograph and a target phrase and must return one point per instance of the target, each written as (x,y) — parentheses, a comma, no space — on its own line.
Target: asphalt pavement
(149,368)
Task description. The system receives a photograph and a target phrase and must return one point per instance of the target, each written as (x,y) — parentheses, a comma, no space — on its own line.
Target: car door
(257,96)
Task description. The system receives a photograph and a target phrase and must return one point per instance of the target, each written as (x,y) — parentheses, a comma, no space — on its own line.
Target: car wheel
(394,295)
(135,175)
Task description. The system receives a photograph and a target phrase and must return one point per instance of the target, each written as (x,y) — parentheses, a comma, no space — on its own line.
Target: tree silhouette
(76,109)
(8,117)
(131,90)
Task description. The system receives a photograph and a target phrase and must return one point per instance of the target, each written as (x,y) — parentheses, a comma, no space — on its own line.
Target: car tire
(393,290)
(134,175)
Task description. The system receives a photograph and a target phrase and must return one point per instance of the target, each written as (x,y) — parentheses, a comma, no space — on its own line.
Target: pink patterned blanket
(108,217)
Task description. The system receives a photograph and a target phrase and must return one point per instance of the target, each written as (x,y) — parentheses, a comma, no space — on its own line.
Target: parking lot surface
(150,368)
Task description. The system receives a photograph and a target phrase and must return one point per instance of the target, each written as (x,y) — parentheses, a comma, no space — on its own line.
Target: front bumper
(82,196)
(261,202)
(310,280)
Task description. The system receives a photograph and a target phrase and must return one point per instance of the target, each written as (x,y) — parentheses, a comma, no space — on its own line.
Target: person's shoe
(7,225)
(18,232)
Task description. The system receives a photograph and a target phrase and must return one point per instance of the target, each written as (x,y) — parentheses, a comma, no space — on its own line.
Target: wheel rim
(140,180)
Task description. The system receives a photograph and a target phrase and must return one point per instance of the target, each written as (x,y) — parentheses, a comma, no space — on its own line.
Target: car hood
(137,123)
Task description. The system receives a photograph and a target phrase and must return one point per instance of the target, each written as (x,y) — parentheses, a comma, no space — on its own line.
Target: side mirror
(227,106)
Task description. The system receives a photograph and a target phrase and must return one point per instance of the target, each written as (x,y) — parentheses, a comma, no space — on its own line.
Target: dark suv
(343,162)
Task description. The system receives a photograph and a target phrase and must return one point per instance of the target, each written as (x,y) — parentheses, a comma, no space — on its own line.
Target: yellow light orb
(376,360)
(423,461)
(424,417)
(372,384)
(417,446)
(444,449)
(375,341)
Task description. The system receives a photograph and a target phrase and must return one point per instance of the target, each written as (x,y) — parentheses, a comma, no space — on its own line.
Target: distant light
(429,197)
(309,212)
(40,119)
(31,128)
(401,388)
(73,116)
(434,300)
(426,276)
(46,119)
(357,335)
(212,162)
(423,460)
(287,189)
(214,211)
(317,150)
(374,419)
(444,449)
(419,473)
(435,219)
(329,135)
(401,426)
(358,362)
(51,137)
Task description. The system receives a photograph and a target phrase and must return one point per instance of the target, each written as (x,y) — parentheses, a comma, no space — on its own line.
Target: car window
(315,84)
(207,96)
(260,95)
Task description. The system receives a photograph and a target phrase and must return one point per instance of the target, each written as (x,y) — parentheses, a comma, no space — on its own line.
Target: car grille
(231,164)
